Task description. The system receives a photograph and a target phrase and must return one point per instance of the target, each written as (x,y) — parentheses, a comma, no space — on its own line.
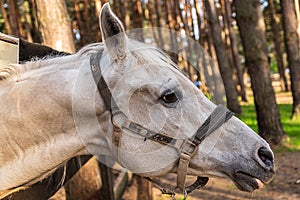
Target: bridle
(187,148)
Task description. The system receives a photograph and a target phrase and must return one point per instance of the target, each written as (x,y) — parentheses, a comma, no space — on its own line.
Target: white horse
(51,111)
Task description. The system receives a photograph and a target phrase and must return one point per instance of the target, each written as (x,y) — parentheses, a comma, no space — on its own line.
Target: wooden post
(86,182)
(9,48)
(107,189)
(144,190)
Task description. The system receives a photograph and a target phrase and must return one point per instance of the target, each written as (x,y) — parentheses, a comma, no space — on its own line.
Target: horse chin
(246,182)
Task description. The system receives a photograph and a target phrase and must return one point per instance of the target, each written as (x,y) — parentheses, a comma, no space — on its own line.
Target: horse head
(157,114)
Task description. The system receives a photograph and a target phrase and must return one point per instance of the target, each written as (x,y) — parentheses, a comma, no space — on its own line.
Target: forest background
(251,44)
(252,48)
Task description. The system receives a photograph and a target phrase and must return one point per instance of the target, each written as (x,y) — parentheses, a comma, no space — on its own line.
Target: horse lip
(247,182)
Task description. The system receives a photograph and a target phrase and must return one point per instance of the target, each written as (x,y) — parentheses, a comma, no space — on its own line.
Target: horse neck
(37,124)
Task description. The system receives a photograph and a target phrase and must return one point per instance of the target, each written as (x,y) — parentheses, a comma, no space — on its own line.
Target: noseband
(187,148)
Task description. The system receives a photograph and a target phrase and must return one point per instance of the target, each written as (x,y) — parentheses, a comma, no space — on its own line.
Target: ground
(285,185)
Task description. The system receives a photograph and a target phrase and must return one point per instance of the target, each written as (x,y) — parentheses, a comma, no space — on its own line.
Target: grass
(290,126)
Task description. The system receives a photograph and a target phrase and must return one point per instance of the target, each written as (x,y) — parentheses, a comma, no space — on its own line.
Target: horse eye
(169,97)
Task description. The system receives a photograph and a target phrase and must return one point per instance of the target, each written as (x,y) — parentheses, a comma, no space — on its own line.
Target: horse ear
(113,33)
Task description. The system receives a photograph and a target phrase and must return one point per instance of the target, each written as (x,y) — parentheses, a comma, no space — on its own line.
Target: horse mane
(36,63)
(7,71)
(140,50)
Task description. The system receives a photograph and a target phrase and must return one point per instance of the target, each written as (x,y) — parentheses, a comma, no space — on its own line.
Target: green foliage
(167,197)
(249,116)
(1,23)
(273,64)
(290,126)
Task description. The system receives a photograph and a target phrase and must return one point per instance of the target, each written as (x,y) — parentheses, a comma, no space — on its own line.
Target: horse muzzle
(259,172)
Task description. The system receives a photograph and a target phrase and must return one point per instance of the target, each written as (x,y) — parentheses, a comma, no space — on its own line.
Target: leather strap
(183,166)
(199,183)
(216,119)
(102,86)
(107,97)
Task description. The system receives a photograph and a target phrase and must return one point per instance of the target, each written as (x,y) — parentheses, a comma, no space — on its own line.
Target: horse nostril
(266,156)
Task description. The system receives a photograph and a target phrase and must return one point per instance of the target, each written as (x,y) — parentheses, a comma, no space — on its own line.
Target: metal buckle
(189,147)
(118,118)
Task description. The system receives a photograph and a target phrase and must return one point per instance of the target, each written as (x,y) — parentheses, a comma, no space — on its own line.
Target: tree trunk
(85,182)
(34,27)
(55,25)
(152,18)
(252,30)
(177,16)
(291,38)
(26,18)
(136,16)
(5,17)
(226,71)
(209,62)
(170,26)
(234,50)
(79,22)
(14,19)
(194,70)
(224,24)
(98,6)
(201,32)
(158,19)
(200,72)
(120,8)
(125,14)
(277,42)
(144,188)
(88,16)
